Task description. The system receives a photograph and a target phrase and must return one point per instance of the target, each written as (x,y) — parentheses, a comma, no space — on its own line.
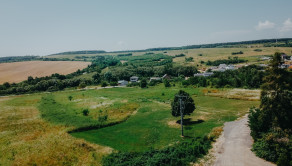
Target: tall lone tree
(182,104)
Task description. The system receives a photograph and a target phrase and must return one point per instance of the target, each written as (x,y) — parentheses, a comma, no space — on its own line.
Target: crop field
(205,54)
(34,128)
(19,71)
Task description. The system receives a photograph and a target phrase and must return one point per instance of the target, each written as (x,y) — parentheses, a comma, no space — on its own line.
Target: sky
(39,27)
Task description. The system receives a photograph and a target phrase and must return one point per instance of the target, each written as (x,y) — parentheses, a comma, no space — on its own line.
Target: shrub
(85,112)
(179,154)
(166,83)
(70,98)
(113,83)
(103,84)
(82,85)
(143,83)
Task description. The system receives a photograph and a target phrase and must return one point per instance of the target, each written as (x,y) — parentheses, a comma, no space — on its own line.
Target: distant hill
(283,42)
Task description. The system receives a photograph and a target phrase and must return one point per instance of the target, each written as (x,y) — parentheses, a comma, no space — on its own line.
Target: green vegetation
(153,125)
(235,53)
(178,154)
(189,59)
(188,105)
(228,61)
(271,123)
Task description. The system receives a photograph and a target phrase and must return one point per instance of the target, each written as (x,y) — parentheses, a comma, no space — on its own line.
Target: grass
(26,139)
(150,126)
(33,128)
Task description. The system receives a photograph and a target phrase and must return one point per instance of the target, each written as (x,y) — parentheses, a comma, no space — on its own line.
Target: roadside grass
(26,139)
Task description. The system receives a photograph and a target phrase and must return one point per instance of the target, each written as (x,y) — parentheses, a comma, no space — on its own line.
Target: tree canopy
(188,102)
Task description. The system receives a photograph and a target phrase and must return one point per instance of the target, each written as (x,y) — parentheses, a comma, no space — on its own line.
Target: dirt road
(233,146)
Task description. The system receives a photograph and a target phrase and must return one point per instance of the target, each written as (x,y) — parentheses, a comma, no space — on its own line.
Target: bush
(264,150)
(70,98)
(103,84)
(82,85)
(113,83)
(166,83)
(143,84)
(179,154)
(85,112)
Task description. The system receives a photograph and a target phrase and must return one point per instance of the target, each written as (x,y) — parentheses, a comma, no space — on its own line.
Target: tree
(272,122)
(143,83)
(276,94)
(182,104)
(96,78)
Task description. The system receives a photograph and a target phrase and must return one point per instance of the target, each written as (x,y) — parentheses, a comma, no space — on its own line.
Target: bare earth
(19,71)
(234,146)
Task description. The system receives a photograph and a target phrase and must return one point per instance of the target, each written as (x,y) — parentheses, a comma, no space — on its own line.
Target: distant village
(286,63)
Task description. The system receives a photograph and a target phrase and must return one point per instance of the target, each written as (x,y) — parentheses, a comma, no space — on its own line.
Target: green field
(146,122)
(150,124)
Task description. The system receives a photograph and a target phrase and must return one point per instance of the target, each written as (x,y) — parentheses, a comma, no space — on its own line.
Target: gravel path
(234,146)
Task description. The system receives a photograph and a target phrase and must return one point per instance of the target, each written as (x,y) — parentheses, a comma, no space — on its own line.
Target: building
(167,77)
(206,74)
(123,83)
(155,79)
(134,79)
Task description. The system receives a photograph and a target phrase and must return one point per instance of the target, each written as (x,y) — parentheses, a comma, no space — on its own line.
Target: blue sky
(38,27)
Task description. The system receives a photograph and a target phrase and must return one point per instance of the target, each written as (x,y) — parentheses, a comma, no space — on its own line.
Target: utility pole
(181,108)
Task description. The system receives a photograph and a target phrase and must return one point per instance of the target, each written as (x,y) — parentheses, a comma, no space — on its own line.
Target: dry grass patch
(241,94)
(25,139)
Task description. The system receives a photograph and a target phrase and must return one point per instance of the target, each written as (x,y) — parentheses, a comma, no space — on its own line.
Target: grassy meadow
(34,128)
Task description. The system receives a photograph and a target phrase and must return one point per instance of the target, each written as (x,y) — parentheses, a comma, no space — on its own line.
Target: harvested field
(19,71)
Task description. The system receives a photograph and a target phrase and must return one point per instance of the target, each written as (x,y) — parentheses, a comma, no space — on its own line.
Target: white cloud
(265,25)
(287,26)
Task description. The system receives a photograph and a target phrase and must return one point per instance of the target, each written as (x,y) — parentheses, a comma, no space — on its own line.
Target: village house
(165,76)
(123,83)
(134,79)
(155,79)
(206,74)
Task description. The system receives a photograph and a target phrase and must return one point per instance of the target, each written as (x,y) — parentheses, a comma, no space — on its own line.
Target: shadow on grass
(188,121)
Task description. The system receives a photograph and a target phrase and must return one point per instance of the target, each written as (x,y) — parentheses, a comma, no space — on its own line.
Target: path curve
(234,146)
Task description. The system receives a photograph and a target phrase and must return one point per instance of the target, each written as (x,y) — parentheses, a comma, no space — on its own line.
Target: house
(284,66)
(123,83)
(265,58)
(134,79)
(284,57)
(167,77)
(206,74)
(155,79)
(224,67)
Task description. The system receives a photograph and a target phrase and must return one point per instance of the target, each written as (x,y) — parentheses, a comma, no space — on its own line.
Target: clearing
(19,71)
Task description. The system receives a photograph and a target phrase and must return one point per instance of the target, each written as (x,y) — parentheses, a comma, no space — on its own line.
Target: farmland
(19,71)
(203,54)
(27,125)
